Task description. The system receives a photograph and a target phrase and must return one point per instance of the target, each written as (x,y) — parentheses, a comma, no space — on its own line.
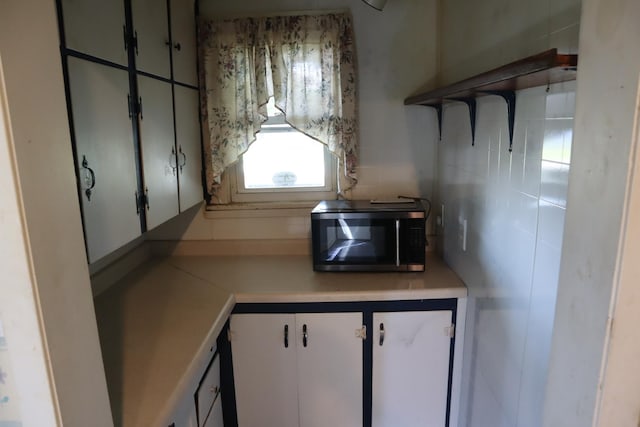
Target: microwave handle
(397,243)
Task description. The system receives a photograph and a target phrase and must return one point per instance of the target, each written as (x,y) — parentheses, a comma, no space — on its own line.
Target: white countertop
(158,323)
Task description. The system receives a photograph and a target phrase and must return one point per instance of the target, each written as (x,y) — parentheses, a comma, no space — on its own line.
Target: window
(306,62)
(283,164)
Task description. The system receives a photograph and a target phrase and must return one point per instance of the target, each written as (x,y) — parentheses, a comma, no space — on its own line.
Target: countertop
(157,325)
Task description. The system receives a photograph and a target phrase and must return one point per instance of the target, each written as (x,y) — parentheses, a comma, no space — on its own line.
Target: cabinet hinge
(450,331)
(361,332)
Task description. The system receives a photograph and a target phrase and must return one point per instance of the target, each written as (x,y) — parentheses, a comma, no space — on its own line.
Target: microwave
(359,235)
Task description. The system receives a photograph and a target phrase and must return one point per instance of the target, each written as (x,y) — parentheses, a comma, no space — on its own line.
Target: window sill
(260,210)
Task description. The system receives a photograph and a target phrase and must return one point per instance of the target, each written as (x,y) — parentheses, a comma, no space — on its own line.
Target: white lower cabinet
(329,369)
(201,405)
(208,392)
(314,369)
(264,369)
(185,414)
(295,370)
(215,417)
(411,357)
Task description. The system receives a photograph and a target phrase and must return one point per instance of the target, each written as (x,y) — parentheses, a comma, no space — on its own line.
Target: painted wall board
(606,114)
(45,173)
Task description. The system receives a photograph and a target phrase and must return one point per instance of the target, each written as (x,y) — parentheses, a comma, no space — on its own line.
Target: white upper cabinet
(183,40)
(96,28)
(411,356)
(151,32)
(189,146)
(138,147)
(158,150)
(105,155)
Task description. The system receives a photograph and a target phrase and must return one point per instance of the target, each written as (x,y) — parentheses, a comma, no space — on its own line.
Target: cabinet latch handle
(89,178)
(381,333)
(184,158)
(305,335)
(173,163)
(286,336)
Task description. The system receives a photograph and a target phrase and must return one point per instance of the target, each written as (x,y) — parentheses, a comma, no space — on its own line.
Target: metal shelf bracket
(472,105)
(510,98)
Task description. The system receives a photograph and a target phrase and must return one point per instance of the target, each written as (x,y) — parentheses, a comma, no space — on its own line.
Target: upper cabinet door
(329,369)
(158,150)
(96,28)
(105,155)
(151,29)
(189,146)
(410,368)
(183,35)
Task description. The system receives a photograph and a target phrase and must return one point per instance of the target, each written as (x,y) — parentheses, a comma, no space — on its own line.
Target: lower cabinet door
(330,369)
(264,365)
(209,390)
(215,416)
(410,368)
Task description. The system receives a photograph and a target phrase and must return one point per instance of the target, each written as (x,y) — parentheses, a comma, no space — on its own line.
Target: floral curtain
(307,63)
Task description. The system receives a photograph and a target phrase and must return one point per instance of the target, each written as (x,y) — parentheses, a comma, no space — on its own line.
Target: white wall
(606,111)
(514,204)
(396,55)
(478,36)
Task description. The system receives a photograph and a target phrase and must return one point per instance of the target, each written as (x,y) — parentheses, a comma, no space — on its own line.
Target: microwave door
(357,241)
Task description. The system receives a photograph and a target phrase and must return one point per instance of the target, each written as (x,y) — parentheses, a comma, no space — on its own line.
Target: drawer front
(215,417)
(208,391)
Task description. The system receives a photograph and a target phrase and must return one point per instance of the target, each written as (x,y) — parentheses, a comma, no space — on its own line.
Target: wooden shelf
(537,70)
